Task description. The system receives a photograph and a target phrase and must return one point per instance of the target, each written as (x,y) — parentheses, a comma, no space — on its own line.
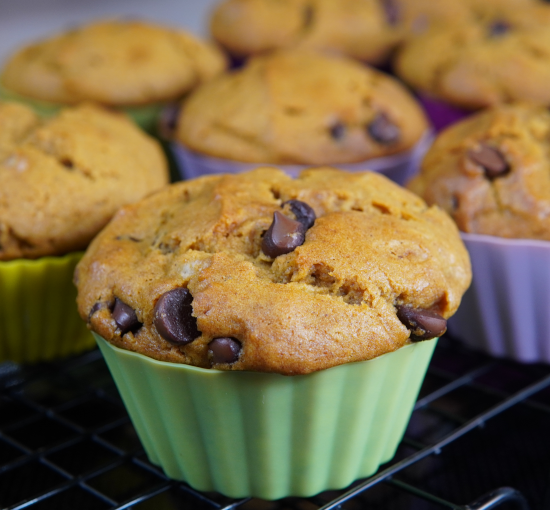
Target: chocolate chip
(302,212)
(97,306)
(392,11)
(125,317)
(283,236)
(224,350)
(499,28)
(174,317)
(490,159)
(424,324)
(338,131)
(383,130)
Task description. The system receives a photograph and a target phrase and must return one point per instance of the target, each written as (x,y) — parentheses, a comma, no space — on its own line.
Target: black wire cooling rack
(479,438)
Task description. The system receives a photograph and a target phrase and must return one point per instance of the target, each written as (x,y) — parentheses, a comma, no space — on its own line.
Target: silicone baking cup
(440,113)
(267,435)
(39,320)
(398,167)
(144,116)
(505,312)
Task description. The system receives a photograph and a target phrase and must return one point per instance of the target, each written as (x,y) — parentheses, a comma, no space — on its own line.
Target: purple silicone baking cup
(505,312)
(398,167)
(441,114)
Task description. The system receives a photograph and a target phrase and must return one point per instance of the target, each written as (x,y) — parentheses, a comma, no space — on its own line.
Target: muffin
(224,284)
(127,64)
(301,108)
(490,173)
(360,29)
(497,56)
(61,180)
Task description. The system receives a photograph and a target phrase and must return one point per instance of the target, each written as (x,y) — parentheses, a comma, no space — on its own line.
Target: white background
(22,21)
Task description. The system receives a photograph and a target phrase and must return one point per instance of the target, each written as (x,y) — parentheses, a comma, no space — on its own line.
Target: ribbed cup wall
(39,320)
(144,116)
(398,167)
(267,435)
(505,311)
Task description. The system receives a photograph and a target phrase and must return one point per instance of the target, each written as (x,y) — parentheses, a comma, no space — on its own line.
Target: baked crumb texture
(373,249)
(113,62)
(500,53)
(301,107)
(62,179)
(491,172)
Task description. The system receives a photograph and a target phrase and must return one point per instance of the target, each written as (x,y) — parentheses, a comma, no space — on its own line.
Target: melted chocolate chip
(100,305)
(424,324)
(224,350)
(383,130)
(338,131)
(499,28)
(283,236)
(490,159)
(125,317)
(392,11)
(173,317)
(303,212)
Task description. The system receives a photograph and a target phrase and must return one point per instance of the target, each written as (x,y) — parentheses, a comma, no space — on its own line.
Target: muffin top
(258,271)
(500,54)
(114,62)
(361,29)
(491,172)
(62,179)
(301,107)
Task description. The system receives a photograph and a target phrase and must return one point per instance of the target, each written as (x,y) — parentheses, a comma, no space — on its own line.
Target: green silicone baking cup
(39,320)
(144,116)
(267,435)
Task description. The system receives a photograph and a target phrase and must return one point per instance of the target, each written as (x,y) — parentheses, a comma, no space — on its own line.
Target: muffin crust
(62,179)
(373,248)
(118,63)
(491,173)
(304,108)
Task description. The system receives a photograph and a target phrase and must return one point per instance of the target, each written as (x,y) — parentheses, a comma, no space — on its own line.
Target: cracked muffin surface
(301,107)
(62,179)
(361,29)
(189,275)
(499,53)
(113,62)
(491,172)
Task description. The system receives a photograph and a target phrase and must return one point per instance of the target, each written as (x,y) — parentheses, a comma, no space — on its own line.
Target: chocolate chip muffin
(62,179)
(491,172)
(113,62)
(362,29)
(262,272)
(300,107)
(500,54)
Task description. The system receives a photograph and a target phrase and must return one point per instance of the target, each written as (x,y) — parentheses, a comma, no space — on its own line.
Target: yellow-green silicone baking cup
(144,116)
(267,435)
(39,320)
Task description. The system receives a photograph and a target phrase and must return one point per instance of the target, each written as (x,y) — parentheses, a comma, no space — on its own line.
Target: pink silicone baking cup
(398,167)
(505,312)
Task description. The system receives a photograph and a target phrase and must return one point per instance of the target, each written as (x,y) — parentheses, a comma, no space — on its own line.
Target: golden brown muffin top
(301,107)
(114,62)
(357,28)
(62,179)
(491,172)
(196,274)
(500,54)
